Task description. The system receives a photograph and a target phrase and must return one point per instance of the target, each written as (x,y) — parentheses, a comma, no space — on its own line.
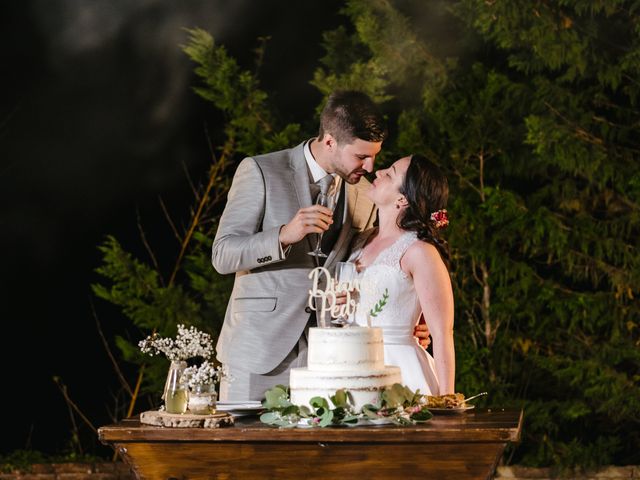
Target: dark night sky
(97,120)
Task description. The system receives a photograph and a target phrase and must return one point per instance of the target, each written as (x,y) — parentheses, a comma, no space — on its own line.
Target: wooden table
(462,446)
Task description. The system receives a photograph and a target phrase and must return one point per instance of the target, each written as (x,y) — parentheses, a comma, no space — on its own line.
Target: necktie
(325,184)
(330,236)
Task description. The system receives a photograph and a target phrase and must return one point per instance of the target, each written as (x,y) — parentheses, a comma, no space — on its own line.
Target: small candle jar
(202,400)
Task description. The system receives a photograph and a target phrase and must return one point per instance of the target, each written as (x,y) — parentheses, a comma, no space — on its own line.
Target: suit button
(269,258)
(259,260)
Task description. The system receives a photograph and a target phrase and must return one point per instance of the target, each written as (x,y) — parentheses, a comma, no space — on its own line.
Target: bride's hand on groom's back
(421,332)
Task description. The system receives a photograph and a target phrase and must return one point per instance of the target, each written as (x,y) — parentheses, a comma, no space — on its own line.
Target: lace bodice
(399,316)
(402,310)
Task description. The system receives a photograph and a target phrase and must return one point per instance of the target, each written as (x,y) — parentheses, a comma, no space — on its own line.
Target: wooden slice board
(186,420)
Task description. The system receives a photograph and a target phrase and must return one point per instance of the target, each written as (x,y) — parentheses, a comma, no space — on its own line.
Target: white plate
(240,404)
(439,411)
(240,408)
(306,423)
(378,421)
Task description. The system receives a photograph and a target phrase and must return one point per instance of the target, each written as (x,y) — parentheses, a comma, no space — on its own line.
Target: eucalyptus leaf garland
(398,404)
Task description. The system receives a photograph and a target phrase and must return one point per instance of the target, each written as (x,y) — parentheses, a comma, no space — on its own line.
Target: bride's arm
(433,286)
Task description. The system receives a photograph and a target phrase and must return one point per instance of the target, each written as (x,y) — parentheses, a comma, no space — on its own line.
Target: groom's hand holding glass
(313,219)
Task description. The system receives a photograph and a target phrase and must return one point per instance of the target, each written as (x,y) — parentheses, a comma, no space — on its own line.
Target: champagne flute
(345,272)
(328,201)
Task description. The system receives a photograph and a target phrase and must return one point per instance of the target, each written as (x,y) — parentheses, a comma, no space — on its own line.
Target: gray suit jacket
(266,312)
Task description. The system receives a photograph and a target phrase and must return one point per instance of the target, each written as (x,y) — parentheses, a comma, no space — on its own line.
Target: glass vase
(202,400)
(176,393)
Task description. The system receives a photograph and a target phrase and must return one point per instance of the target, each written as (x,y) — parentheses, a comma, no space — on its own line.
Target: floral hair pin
(440,218)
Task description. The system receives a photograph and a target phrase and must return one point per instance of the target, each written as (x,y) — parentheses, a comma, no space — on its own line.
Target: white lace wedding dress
(400,314)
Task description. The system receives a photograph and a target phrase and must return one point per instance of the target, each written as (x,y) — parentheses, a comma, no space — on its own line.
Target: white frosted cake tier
(342,349)
(364,386)
(349,358)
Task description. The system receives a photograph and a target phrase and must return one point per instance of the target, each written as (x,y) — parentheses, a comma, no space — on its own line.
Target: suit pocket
(255,304)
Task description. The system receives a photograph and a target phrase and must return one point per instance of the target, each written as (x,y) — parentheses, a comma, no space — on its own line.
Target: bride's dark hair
(426,190)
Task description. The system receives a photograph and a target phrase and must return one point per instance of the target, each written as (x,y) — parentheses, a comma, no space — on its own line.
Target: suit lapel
(361,208)
(358,215)
(300,173)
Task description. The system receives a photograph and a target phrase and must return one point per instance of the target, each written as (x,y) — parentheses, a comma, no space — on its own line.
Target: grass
(23,459)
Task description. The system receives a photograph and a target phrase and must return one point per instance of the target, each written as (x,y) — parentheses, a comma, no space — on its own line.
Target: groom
(267,229)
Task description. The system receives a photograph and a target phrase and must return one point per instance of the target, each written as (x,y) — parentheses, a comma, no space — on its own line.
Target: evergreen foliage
(533,114)
(537,128)
(195,294)
(250,123)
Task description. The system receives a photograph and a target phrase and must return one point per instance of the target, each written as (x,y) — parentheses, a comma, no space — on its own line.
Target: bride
(403,264)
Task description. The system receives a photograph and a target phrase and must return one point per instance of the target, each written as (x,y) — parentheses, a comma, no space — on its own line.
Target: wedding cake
(343,358)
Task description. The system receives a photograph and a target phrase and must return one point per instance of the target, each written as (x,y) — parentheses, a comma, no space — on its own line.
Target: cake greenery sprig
(377,308)
(398,404)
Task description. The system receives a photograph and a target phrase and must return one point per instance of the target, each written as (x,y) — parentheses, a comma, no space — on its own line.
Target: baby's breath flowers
(187,388)
(190,342)
(205,374)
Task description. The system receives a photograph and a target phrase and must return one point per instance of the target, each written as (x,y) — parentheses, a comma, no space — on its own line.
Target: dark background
(98,120)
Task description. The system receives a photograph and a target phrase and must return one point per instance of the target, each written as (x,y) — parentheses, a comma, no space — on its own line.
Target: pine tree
(536,122)
(193,294)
